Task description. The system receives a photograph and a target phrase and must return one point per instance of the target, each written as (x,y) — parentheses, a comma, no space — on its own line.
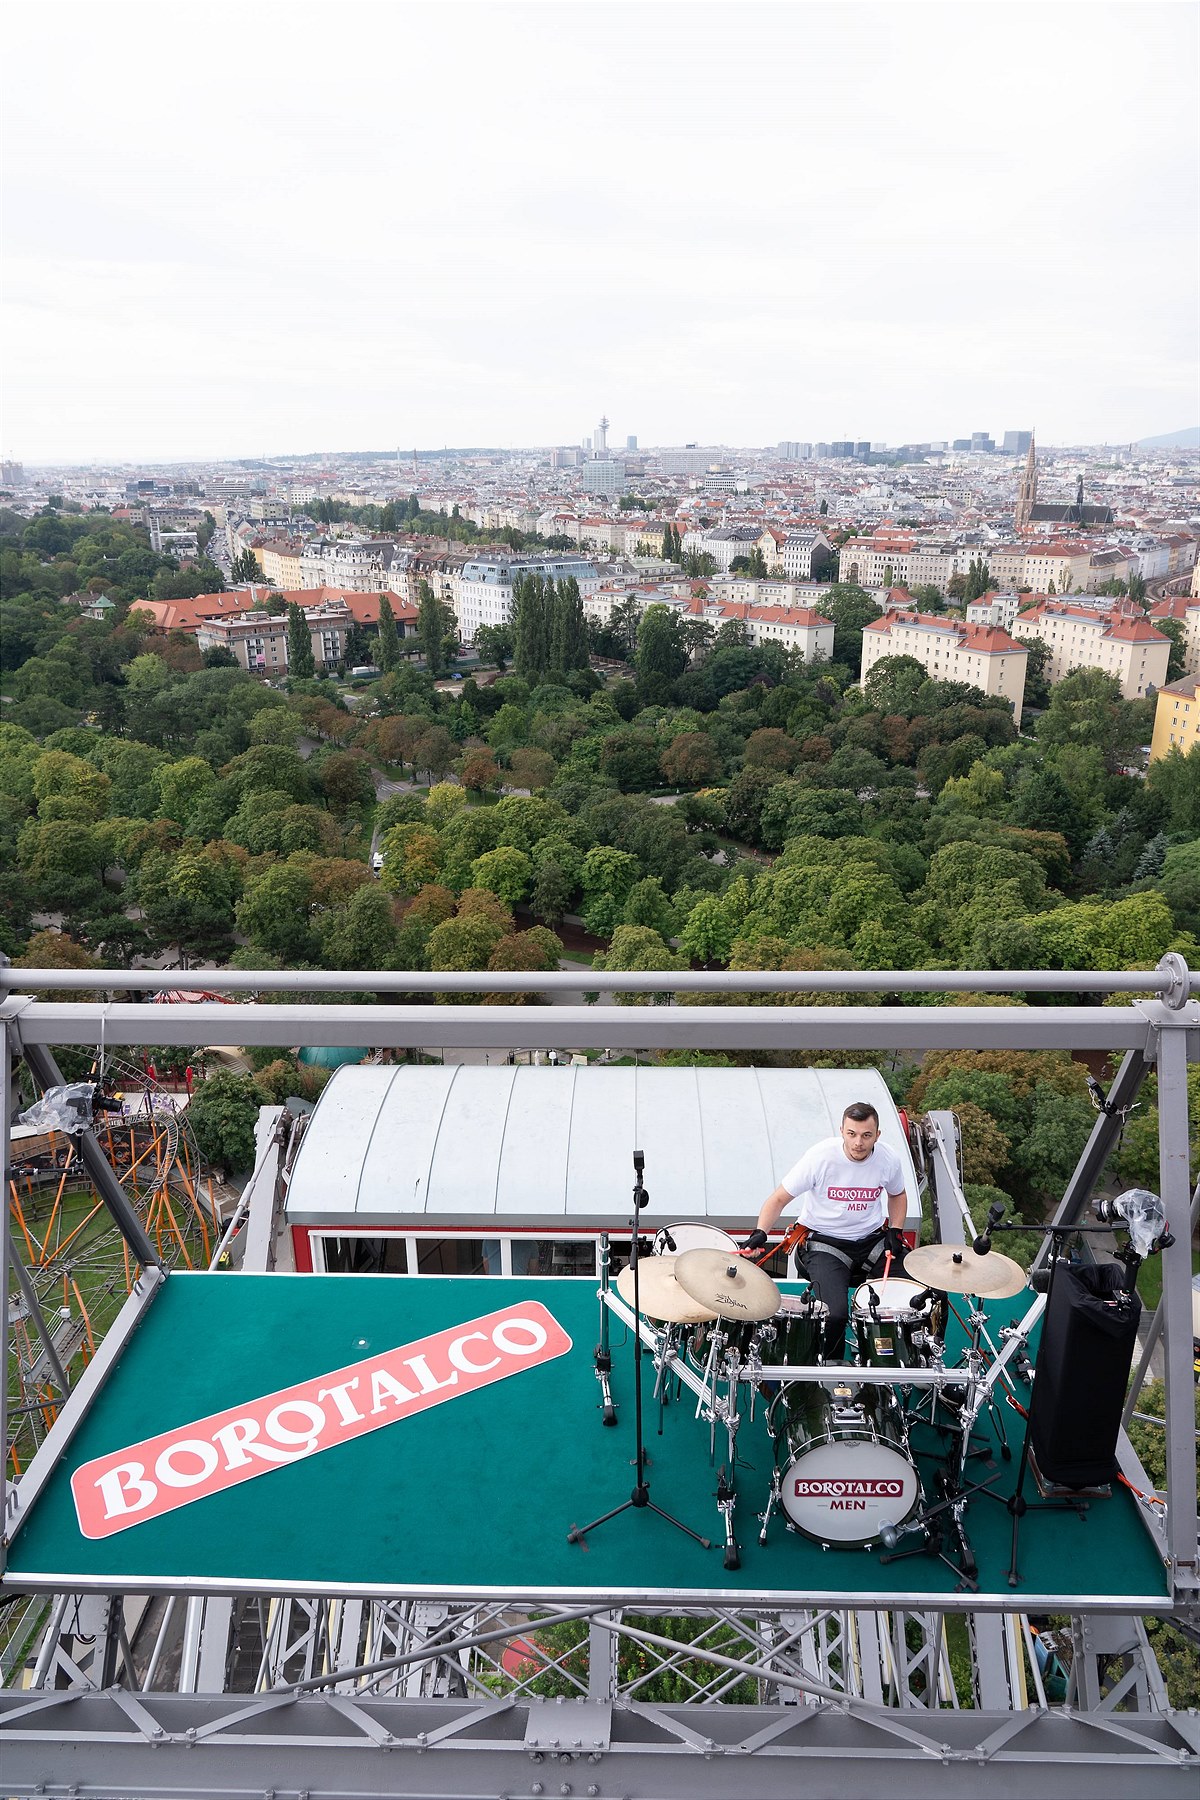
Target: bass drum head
(843,1492)
(690,1236)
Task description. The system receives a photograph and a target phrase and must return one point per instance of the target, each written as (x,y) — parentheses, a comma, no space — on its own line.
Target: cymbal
(661,1295)
(732,1286)
(957,1269)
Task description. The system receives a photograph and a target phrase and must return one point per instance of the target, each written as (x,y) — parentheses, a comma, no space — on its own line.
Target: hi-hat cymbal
(732,1286)
(957,1269)
(661,1295)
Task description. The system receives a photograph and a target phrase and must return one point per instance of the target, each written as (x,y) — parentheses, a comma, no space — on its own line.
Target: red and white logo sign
(848,1488)
(145,1480)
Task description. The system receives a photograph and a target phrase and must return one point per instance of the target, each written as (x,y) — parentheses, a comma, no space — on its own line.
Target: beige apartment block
(984,656)
(1186,610)
(1176,717)
(1080,636)
(280,562)
(1067,565)
(882,560)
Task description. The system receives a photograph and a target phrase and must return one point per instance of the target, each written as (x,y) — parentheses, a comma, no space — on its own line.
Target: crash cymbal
(661,1295)
(732,1286)
(957,1269)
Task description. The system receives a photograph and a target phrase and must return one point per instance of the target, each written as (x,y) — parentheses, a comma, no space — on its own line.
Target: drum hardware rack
(639,1500)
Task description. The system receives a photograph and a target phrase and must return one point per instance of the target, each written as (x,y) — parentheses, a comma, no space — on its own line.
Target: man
(852,1198)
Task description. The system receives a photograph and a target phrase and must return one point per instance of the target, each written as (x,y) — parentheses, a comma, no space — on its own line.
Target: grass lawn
(1149,1280)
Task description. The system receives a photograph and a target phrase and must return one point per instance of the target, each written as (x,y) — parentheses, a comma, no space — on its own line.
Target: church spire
(1027,492)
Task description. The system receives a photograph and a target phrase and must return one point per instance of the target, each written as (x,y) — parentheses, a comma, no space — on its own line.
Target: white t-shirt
(842,1197)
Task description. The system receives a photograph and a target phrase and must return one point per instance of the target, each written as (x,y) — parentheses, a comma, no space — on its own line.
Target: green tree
(301,662)
(222,1115)
(661,653)
(387,650)
(505,871)
(634,948)
(431,629)
(274,913)
(494,644)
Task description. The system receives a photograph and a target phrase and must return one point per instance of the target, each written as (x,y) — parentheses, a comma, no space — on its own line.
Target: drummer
(852,1198)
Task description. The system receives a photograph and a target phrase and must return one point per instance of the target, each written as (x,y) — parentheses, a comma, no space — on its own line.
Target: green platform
(475,1497)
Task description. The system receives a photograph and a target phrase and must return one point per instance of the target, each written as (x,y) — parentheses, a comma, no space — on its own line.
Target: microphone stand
(639,1499)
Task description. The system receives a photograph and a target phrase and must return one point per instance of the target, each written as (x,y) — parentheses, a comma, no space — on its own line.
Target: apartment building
(1176,717)
(804,555)
(724,544)
(1186,610)
(984,656)
(259,639)
(996,609)
(1065,566)
(1117,639)
(483,591)
(360,565)
(281,561)
(881,560)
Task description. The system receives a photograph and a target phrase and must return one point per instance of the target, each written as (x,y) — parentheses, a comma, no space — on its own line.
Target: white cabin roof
(422,1144)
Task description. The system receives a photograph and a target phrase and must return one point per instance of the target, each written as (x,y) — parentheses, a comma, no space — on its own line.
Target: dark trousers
(833,1267)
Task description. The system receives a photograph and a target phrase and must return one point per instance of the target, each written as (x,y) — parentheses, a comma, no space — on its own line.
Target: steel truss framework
(341,1697)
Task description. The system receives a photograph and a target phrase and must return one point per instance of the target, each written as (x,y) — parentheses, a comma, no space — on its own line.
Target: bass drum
(847,1472)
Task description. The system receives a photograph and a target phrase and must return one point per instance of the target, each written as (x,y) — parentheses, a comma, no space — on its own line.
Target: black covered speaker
(1083,1363)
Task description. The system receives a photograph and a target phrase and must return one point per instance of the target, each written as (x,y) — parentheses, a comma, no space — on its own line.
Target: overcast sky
(235,229)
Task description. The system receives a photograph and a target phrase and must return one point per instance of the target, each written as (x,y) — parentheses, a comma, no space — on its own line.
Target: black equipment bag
(1083,1363)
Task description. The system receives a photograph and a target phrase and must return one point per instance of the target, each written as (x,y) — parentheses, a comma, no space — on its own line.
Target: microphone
(667,1239)
(983,1242)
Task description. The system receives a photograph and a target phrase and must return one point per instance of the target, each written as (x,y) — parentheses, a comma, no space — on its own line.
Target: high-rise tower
(1027,492)
(600,439)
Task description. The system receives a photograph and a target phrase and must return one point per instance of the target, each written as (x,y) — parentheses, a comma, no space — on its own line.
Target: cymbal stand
(639,1500)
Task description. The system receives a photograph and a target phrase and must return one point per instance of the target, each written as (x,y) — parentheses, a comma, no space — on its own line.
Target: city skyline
(463,228)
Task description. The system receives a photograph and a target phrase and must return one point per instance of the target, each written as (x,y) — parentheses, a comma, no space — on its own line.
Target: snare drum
(848,1472)
(894,1321)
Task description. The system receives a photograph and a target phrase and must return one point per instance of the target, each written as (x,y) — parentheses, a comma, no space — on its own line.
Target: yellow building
(1176,717)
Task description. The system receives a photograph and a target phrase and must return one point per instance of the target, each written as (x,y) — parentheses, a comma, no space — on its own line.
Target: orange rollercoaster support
(87,1322)
(45,1257)
(16,1212)
(82,1223)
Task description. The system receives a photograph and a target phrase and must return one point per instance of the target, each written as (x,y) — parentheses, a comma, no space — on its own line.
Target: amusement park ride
(296,1531)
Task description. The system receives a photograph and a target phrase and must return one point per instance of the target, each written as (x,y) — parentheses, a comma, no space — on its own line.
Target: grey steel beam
(949,1200)
(1105,1133)
(100,1171)
(99,1745)
(1175,1188)
(29,1294)
(5,1246)
(21,1496)
(620,1027)
(1158,981)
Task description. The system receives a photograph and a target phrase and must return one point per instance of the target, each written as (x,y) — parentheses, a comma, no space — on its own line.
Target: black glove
(755,1241)
(894,1243)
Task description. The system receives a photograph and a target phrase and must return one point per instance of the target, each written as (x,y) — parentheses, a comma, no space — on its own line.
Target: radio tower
(600,441)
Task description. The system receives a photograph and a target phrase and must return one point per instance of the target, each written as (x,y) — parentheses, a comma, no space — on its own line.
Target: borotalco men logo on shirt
(144,1481)
(855,1193)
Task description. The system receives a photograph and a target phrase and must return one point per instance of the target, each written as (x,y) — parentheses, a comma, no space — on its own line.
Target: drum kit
(844,1472)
